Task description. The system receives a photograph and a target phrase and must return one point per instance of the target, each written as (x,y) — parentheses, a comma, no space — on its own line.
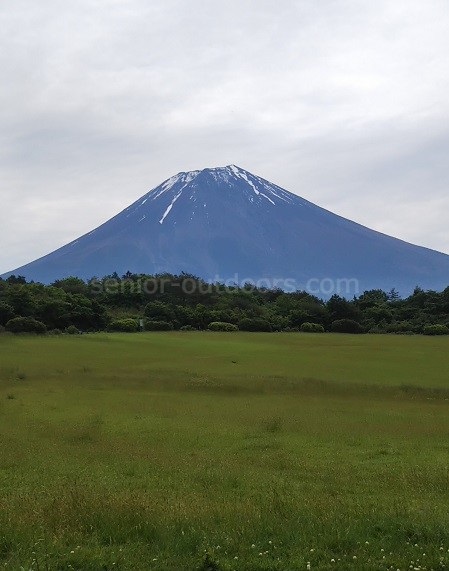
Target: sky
(343,102)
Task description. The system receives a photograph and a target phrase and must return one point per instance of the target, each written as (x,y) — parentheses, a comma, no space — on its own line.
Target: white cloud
(341,101)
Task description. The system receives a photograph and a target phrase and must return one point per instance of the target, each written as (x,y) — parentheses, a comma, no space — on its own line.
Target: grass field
(198,451)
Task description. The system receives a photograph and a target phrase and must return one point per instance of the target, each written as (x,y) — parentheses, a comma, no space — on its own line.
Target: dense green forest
(185,302)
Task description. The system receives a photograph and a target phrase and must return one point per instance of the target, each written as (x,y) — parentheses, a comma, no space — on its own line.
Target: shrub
(188,328)
(375,329)
(158,325)
(436,330)
(346,326)
(308,327)
(72,330)
(398,327)
(25,325)
(222,326)
(254,324)
(55,332)
(126,325)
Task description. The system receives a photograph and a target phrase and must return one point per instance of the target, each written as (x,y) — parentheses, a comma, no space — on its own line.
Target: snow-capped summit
(193,184)
(227,224)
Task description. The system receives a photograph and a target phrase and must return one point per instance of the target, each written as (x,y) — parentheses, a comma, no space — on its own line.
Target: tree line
(184,302)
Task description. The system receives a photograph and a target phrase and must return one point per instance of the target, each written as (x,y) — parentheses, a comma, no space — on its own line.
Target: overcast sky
(344,102)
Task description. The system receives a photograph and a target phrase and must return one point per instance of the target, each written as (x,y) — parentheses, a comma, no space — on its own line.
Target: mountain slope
(228,224)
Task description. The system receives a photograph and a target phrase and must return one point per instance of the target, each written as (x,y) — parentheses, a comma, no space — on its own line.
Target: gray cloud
(341,101)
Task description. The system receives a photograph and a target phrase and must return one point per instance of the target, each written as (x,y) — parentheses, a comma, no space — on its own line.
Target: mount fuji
(226,224)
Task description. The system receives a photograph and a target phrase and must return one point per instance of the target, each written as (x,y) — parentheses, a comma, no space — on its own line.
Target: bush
(375,329)
(25,325)
(399,327)
(346,326)
(55,332)
(436,330)
(222,326)
(126,325)
(254,324)
(188,328)
(72,330)
(158,325)
(308,327)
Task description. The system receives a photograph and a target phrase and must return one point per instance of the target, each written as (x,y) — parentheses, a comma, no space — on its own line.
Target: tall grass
(157,451)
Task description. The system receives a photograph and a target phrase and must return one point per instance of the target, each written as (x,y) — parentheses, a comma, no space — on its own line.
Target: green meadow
(214,451)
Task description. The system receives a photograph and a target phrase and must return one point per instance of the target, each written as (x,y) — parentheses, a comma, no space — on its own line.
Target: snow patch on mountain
(183,177)
(220,174)
(170,206)
(243,175)
(268,198)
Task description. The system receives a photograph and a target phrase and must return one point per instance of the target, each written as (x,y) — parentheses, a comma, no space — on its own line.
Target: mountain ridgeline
(228,225)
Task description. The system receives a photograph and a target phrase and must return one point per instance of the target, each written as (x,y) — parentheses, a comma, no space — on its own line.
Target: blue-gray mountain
(228,224)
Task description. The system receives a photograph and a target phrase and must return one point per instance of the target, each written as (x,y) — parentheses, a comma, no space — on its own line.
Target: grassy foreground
(198,451)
